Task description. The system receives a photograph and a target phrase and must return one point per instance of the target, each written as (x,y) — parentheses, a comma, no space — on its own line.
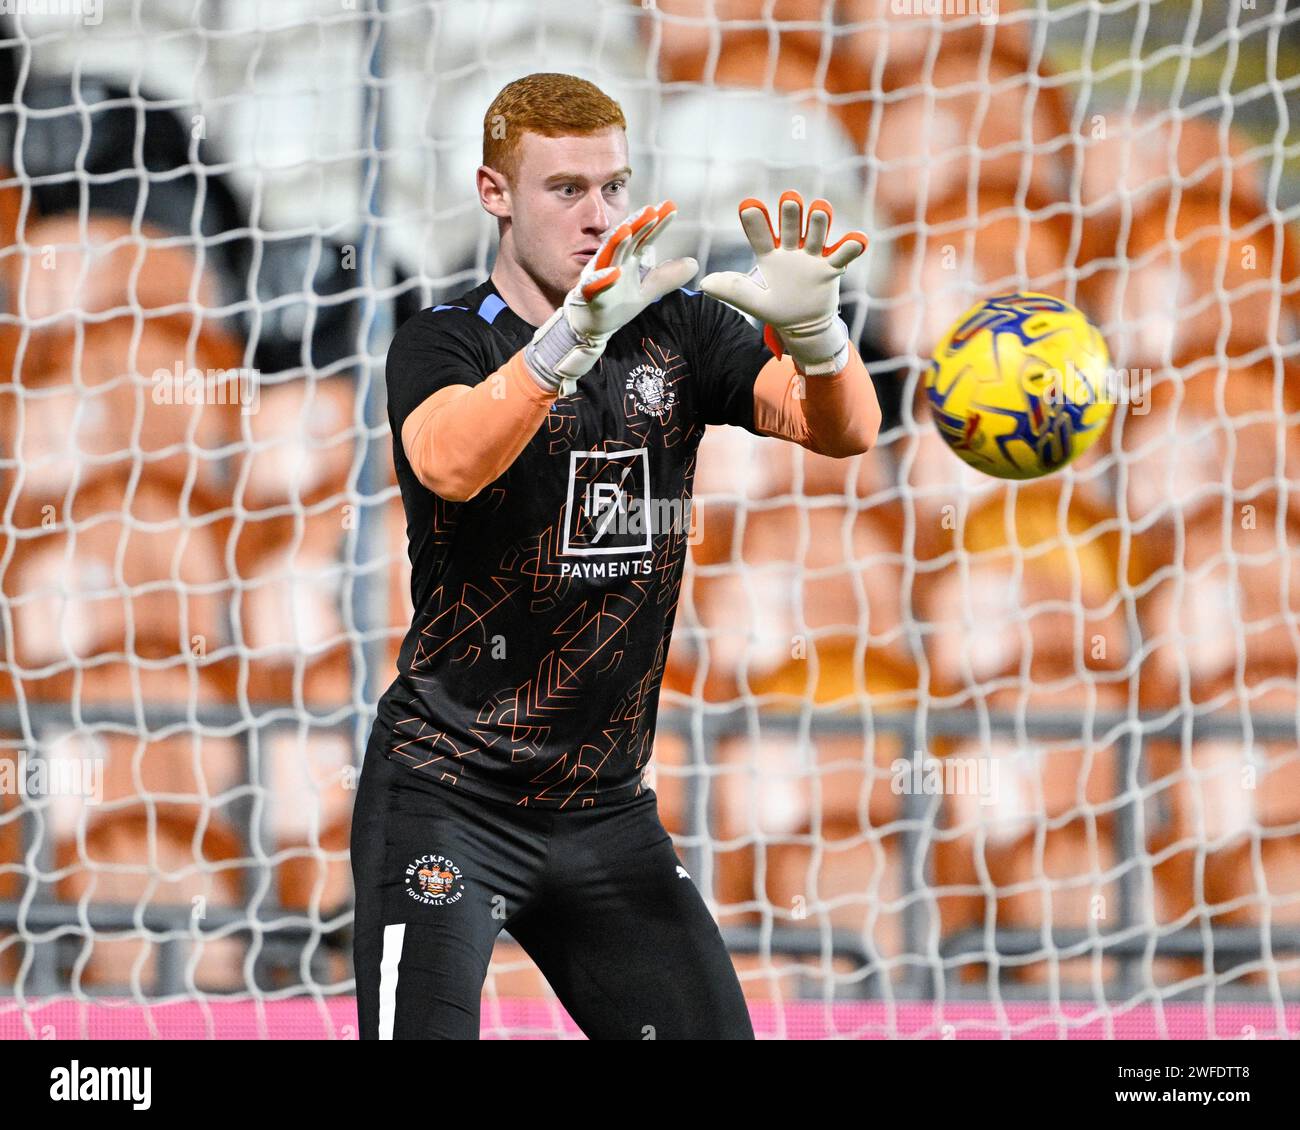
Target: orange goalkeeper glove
(612,290)
(795,286)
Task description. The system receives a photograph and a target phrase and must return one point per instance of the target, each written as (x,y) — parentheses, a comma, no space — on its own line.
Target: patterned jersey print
(544,605)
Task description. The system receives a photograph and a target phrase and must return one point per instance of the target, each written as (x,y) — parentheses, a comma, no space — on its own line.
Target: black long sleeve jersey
(544,604)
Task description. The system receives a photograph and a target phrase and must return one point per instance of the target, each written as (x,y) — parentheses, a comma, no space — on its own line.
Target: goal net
(948,756)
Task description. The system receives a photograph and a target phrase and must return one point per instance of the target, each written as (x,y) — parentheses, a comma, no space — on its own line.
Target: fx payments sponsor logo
(612,512)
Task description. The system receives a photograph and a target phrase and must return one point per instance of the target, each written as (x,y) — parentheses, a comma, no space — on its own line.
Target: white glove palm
(614,288)
(795,286)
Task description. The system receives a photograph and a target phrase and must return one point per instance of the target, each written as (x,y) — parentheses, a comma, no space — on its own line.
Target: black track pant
(596,897)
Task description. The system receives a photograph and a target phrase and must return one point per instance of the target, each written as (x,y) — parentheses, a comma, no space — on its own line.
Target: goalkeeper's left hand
(795,286)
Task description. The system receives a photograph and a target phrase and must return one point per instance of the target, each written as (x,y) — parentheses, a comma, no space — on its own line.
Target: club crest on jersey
(649,391)
(434,880)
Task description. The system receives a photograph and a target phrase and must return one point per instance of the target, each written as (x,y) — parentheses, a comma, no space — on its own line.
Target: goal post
(946,755)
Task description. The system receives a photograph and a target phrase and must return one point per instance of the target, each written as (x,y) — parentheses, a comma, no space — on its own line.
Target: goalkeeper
(545,428)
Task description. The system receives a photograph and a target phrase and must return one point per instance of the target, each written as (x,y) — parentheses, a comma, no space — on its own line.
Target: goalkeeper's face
(568,192)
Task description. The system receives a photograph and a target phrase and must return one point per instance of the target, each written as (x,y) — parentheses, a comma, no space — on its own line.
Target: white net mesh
(945,755)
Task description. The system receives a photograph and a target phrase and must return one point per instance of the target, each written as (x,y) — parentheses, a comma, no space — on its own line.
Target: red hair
(553,105)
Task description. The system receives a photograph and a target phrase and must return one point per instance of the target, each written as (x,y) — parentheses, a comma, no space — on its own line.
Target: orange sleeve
(463,437)
(837,416)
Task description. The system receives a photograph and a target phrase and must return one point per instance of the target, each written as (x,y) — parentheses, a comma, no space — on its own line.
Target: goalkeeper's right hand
(612,290)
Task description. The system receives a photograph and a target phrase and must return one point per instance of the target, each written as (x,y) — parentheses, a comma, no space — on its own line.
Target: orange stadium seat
(890,33)
(11,204)
(1229,843)
(967,121)
(112,396)
(163,762)
(852,883)
(1052,579)
(181,778)
(1066,778)
(131,576)
(683,669)
(316,880)
(941,491)
(1181,280)
(1229,846)
(1218,792)
(806,584)
(670,767)
(773,790)
(302,443)
(839,790)
(862,477)
(805,835)
(1067,880)
(1125,162)
(287,611)
(89,398)
(936,489)
(317,876)
(1044,850)
(185,768)
(719,130)
(67,269)
(1038,597)
(1277,783)
(734,466)
(786,62)
(1242,572)
(879,47)
(690,669)
(1254,893)
(201,676)
(967,254)
(310,778)
(1191,432)
(11,838)
(167,857)
(687,34)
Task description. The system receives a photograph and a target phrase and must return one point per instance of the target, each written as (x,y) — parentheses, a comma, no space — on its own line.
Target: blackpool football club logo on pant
(434,880)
